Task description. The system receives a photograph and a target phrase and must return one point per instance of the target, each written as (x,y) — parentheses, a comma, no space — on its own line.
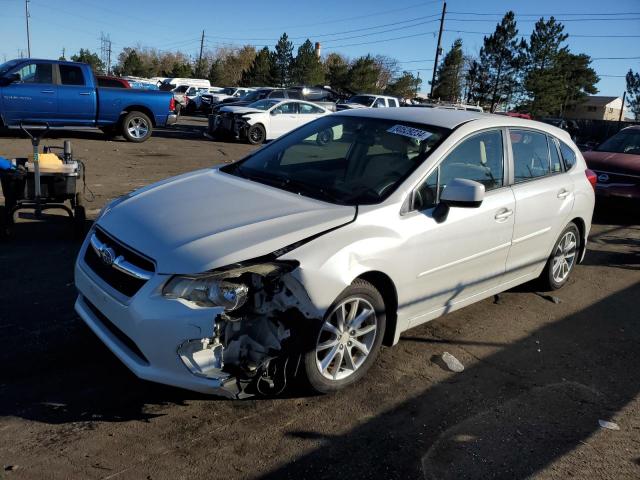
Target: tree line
(540,75)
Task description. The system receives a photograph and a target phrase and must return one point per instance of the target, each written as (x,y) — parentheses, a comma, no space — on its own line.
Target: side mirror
(461,193)
(274,112)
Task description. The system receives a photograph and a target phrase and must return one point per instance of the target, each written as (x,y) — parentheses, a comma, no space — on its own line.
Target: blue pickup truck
(65,94)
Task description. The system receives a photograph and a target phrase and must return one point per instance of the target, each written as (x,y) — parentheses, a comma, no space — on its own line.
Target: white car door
(283,118)
(465,255)
(544,200)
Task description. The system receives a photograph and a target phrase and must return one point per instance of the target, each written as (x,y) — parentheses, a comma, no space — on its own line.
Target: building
(596,108)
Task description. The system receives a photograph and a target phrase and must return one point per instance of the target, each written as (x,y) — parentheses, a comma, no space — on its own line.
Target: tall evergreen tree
(261,71)
(449,76)
(498,60)
(542,81)
(363,75)
(307,69)
(129,63)
(633,92)
(578,81)
(337,71)
(283,61)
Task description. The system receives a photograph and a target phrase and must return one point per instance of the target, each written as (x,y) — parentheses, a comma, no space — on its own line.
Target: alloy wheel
(346,338)
(564,257)
(138,127)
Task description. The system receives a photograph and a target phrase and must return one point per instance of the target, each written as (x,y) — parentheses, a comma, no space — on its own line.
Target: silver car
(305,257)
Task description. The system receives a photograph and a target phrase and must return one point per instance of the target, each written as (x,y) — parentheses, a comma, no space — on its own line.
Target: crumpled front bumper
(146,330)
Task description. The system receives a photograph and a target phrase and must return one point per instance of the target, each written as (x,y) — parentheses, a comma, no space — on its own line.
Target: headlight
(207,291)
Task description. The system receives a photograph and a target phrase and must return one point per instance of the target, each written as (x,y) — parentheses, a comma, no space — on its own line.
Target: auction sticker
(410,132)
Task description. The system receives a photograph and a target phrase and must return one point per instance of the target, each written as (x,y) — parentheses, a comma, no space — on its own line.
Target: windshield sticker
(410,132)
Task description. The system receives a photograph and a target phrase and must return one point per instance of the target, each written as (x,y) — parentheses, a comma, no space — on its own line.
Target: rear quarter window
(568,156)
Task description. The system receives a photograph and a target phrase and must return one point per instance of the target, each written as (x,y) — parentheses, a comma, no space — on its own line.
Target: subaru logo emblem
(603,177)
(107,255)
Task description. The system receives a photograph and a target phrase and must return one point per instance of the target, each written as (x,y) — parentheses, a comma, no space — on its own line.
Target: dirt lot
(539,374)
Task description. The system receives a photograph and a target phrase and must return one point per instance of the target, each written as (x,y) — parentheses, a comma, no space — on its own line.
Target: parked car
(369,101)
(212,99)
(305,257)
(194,97)
(254,96)
(267,119)
(616,162)
(112,82)
(170,84)
(64,94)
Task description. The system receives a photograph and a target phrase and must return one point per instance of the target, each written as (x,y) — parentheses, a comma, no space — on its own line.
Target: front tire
(256,134)
(136,127)
(563,259)
(348,341)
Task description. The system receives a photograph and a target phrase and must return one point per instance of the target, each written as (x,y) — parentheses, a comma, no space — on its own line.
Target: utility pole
(438,48)
(63,52)
(26,13)
(199,66)
(109,58)
(624,98)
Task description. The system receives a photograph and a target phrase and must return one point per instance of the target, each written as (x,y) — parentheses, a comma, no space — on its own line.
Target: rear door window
(530,155)
(380,103)
(556,162)
(71,75)
(568,156)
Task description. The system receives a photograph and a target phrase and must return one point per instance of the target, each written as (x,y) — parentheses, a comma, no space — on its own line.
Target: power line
(557,19)
(382,41)
(546,14)
(524,36)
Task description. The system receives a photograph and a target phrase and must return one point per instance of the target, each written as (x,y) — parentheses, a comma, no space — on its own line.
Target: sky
(403,29)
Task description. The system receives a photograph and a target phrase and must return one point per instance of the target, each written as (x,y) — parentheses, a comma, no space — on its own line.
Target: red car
(112,82)
(616,162)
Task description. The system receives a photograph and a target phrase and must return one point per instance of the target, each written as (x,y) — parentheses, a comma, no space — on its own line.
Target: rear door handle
(563,193)
(503,214)
(47,91)
(85,93)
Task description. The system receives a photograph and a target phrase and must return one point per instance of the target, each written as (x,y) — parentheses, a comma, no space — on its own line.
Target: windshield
(263,104)
(5,67)
(340,159)
(365,100)
(625,141)
(228,91)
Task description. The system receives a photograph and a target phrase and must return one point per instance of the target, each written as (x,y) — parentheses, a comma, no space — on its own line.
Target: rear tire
(563,259)
(340,355)
(136,127)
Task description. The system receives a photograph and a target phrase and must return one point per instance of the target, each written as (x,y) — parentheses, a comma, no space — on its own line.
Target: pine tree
(498,59)
(578,80)
(307,69)
(283,61)
(363,75)
(337,71)
(543,81)
(449,76)
(405,86)
(261,71)
(92,59)
(633,92)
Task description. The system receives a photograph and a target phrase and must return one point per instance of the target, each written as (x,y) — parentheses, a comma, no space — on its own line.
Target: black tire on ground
(568,247)
(256,134)
(310,372)
(136,127)
(190,109)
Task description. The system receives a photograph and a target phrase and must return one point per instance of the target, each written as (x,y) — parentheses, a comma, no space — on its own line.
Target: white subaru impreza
(303,258)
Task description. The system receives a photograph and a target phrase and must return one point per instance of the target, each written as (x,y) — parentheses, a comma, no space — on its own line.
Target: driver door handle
(503,214)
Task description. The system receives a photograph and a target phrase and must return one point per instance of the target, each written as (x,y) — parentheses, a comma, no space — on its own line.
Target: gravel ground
(538,374)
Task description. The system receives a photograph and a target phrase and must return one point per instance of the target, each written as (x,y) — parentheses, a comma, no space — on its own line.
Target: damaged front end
(257,336)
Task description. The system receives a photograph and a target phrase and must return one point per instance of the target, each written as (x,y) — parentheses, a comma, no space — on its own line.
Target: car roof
(430,116)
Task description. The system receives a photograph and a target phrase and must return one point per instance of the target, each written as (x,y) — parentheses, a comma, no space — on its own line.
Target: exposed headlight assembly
(207,291)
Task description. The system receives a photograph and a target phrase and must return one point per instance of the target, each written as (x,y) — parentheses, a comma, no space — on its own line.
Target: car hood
(613,162)
(209,219)
(240,109)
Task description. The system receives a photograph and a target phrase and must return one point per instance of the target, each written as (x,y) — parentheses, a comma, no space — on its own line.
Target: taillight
(172,104)
(592,177)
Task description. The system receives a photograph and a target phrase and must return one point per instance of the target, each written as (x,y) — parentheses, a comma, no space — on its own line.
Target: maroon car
(616,162)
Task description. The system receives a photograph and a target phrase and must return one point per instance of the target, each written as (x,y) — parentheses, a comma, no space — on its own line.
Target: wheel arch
(138,108)
(580,223)
(383,283)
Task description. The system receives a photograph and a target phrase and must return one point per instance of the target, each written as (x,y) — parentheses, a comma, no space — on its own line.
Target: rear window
(71,75)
